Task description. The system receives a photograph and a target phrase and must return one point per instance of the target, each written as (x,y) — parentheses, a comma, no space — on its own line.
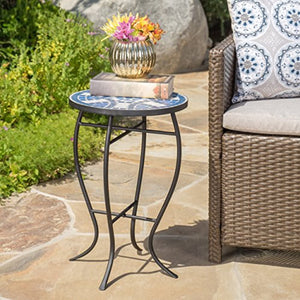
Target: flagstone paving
(41,229)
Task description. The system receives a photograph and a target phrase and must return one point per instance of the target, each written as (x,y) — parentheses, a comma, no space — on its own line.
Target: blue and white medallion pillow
(267,39)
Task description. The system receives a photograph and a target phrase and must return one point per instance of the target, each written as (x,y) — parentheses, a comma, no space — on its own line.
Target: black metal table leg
(167,200)
(108,212)
(111,106)
(138,186)
(103,284)
(83,189)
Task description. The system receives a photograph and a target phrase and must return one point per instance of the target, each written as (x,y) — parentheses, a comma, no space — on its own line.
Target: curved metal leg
(167,200)
(138,187)
(83,189)
(103,284)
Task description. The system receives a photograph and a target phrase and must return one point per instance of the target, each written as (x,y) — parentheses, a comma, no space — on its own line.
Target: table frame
(112,217)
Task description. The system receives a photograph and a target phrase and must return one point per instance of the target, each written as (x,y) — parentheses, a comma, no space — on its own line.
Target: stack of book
(152,86)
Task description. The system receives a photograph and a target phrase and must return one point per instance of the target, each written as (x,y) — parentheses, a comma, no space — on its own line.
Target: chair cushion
(267,39)
(271,116)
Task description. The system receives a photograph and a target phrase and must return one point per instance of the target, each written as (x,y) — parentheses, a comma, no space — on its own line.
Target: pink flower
(124,31)
(132,28)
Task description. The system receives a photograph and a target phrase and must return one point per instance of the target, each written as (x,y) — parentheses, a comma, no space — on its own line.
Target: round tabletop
(126,106)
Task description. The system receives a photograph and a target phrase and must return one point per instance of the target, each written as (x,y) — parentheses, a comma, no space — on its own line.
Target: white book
(152,86)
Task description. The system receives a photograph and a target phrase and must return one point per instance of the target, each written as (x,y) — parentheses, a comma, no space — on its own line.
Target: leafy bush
(45,55)
(18,21)
(36,153)
(65,55)
(218,19)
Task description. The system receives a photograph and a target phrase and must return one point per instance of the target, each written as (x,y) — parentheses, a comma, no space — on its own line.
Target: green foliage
(36,153)
(218,19)
(64,57)
(45,55)
(18,21)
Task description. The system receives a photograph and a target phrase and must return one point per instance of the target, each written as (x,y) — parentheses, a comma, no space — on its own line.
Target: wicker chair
(254,179)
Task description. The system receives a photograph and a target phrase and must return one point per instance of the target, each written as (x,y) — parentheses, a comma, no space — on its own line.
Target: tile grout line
(69,231)
(180,126)
(239,280)
(68,207)
(116,159)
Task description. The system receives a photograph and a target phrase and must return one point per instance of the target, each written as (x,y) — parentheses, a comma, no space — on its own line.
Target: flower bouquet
(132,28)
(132,54)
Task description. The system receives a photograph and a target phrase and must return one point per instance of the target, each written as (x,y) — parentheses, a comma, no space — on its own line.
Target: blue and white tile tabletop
(127,106)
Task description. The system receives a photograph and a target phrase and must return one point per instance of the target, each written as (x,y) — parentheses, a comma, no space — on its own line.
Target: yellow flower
(141,28)
(110,27)
(139,23)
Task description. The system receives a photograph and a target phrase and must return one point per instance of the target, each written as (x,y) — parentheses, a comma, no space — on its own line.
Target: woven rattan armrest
(221,86)
(221,79)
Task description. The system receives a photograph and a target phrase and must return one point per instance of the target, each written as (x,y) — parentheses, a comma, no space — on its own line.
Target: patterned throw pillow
(267,39)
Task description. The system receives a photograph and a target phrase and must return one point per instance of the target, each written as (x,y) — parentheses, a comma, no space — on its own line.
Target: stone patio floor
(41,229)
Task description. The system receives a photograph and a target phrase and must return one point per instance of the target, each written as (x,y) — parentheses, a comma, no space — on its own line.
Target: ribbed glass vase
(132,59)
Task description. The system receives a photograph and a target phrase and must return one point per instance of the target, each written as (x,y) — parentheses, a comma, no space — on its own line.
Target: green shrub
(45,55)
(18,23)
(218,19)
(38,82)
(36,153)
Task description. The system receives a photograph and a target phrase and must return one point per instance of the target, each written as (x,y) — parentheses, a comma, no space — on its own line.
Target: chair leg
(215,252)
(214,234)
(214,240)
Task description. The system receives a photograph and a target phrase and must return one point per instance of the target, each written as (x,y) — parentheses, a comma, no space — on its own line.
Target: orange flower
(138,27)
(147,29)
(155,35)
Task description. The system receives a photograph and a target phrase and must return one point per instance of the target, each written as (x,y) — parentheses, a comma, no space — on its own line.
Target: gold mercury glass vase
(132,59)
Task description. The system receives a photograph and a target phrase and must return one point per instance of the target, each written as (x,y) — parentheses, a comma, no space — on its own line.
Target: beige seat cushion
(271,116)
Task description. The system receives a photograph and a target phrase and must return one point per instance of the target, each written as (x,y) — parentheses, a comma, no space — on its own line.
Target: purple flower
(124,31)
(106,49)
(92,33)
(68,20)
(101,55)
(67,64)
(71,139)
(5,128)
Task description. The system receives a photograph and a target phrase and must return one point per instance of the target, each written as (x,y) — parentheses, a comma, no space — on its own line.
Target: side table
(125,107)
